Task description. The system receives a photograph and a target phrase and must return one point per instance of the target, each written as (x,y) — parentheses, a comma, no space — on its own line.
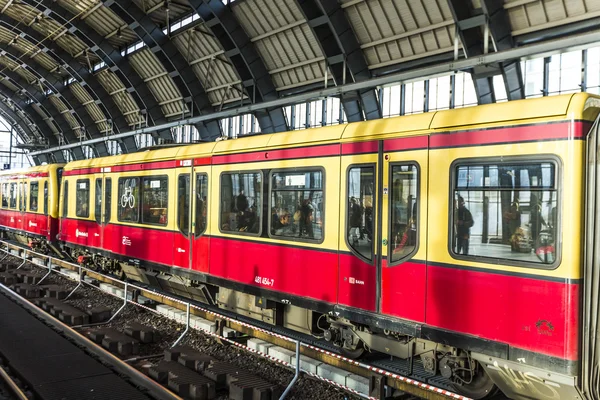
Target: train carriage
(462,238)
(29,208)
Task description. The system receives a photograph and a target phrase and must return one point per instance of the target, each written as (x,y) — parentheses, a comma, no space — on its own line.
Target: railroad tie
(28,277)
(55,291)
(27,290)
(99,314)
(185,382)
(8,278)
(143,333)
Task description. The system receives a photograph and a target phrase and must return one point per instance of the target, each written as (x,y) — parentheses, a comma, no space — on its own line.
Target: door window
(404,223)
(359,214)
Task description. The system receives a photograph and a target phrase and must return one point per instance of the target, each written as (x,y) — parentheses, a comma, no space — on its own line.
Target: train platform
(52,366)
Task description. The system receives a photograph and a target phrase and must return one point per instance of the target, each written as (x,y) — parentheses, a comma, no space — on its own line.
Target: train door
(199,219)
(402,274)
(103,196)
(182,240)
(358,257)
(22,204)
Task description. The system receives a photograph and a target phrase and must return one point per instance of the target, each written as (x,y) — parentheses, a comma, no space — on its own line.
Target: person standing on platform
(464,222)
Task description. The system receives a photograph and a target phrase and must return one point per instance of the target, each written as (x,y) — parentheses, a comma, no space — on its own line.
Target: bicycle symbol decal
(128,198)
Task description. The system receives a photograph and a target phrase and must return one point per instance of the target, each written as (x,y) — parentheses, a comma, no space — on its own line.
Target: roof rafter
(344,55)
(242,54)
(177,67)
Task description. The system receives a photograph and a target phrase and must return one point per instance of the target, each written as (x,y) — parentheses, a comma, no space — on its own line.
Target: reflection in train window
(241,202)
(183,203)
(98,203)
(359,215)
(5,195)
(155,197)
(404,222)
(201,203)
(82,198)
(33,196)
(297,206)
(505,211)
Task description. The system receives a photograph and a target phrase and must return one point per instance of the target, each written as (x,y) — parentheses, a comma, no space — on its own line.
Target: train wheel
(481,387)
(353,354)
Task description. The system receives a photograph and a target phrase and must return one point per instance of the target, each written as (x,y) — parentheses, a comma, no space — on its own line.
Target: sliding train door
(402,285)
(358,257)
(199,217)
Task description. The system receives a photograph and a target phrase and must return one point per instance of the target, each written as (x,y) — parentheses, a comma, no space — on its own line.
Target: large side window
(155,197)
(13,195)
(505,211)
(5,195)
(241,202)
(297,204)
(129,199)
(34,189)
(46,198)
(98,201)
(107,199)
(65,211)
(82,198)
(359,215)
(403,201)
(201,203)
(183,203)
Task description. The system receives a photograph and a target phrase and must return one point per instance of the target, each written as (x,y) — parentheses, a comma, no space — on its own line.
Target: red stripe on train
(270,155)
(516,134)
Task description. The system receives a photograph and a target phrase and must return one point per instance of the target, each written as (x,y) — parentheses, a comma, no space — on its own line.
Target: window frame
(65,199)
(142,202)
(37,206)
(14,192)
(390,183)
(89,195)
(107,205)
(269,222)
(262,198)
(46,197)
(97,217)
(179,176)
(346,210)
(524,159)
(5,194)
(198,174)
(119,194)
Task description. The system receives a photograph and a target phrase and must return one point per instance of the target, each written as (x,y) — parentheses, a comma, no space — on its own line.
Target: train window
(359,215)
(98,202)
(297,206)
(107,199)
(82,198)
(5,195)
(183,203)
(201,203)
(155,196)
(128,200)
(65,211)
(46,198)
(13,195)
(33,196)
(505,211)
(241,202)
(22,196)
(404,224)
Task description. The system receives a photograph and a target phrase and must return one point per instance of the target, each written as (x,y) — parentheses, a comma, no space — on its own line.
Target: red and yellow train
(464,238)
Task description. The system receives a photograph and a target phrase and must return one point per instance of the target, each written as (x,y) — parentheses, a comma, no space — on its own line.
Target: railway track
(375,378)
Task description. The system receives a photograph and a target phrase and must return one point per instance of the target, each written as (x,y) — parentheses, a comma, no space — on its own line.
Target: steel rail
(537,49)
(12,386)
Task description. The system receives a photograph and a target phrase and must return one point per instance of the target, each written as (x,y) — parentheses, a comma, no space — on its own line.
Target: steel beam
(242,54)
(78,71)
(501,33)
(165,50)
(343,55)
(15,118)
(56,85)
(468,25)
(541,49)
(108,54)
